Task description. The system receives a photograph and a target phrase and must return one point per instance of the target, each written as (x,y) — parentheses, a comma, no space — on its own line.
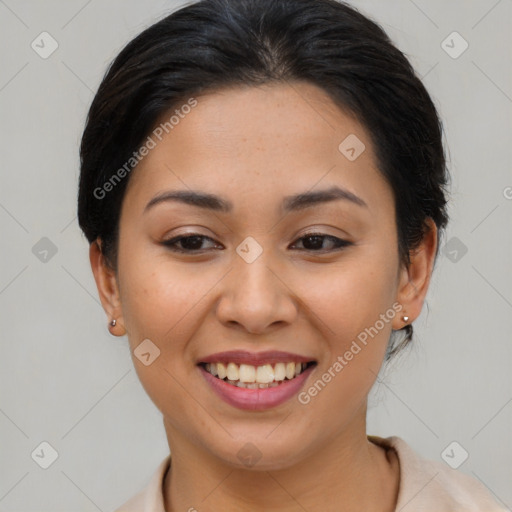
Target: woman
(263,186)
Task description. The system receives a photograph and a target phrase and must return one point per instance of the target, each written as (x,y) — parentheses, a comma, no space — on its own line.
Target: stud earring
(113,322)
(405,318)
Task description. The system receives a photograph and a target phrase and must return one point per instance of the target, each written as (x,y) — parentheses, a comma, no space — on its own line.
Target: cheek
(166,303)
(159,299)
(163,304)
(349,297)
(355,303)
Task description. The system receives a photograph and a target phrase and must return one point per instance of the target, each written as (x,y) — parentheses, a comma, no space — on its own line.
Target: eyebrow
(290,203)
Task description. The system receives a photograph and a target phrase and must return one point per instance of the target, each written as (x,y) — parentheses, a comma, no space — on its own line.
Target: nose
(256,297)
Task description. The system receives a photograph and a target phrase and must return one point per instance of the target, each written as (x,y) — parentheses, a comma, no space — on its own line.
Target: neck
(348,473)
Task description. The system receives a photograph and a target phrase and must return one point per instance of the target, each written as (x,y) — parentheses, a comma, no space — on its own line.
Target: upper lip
(255,358)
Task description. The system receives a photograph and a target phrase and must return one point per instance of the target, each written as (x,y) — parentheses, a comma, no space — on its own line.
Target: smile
(256,377)
(255,380)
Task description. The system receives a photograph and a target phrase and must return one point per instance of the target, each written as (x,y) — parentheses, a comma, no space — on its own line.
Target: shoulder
(427,485)
(150,498)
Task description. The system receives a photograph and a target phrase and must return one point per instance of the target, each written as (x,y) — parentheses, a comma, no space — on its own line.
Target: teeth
(221,370)
(265,374)
(232,371)
(247,373)
(279,372)
(253,377)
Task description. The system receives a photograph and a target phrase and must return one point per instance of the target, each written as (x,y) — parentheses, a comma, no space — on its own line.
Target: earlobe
(108,290)
(415,278)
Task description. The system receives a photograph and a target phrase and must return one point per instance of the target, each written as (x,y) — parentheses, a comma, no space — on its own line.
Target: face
(294,261)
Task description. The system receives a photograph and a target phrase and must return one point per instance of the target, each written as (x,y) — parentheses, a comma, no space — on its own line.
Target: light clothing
(425,486)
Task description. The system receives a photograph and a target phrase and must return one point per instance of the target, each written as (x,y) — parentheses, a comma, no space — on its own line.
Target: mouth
(256,377)
(256,381)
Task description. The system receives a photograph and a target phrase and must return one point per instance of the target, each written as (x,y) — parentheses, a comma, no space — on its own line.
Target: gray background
(66,381)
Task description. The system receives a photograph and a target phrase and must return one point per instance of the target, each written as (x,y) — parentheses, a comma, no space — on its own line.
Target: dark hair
(212,44)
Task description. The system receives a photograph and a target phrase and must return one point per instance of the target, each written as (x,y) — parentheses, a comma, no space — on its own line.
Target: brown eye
(189,243)
(315,242)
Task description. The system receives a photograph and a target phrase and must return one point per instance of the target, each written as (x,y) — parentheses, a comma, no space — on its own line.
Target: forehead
(269,120)
(261,140)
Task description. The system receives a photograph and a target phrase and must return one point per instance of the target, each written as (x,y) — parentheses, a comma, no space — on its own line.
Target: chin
(259,453)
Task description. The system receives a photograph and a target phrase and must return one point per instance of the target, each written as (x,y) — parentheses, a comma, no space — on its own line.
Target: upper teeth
(261,374)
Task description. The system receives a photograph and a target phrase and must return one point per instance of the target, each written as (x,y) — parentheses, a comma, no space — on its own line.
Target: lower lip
(256,399)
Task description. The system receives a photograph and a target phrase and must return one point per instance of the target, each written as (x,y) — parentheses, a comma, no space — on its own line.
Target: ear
(415,278)
(108,289)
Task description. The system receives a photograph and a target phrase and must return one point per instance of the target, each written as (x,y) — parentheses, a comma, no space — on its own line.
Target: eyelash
(172,243)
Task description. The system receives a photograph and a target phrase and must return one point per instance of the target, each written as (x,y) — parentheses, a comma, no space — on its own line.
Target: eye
(314,242)
(189,244)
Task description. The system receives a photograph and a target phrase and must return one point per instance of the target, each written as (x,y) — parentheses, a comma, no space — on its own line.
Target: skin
(254,146)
